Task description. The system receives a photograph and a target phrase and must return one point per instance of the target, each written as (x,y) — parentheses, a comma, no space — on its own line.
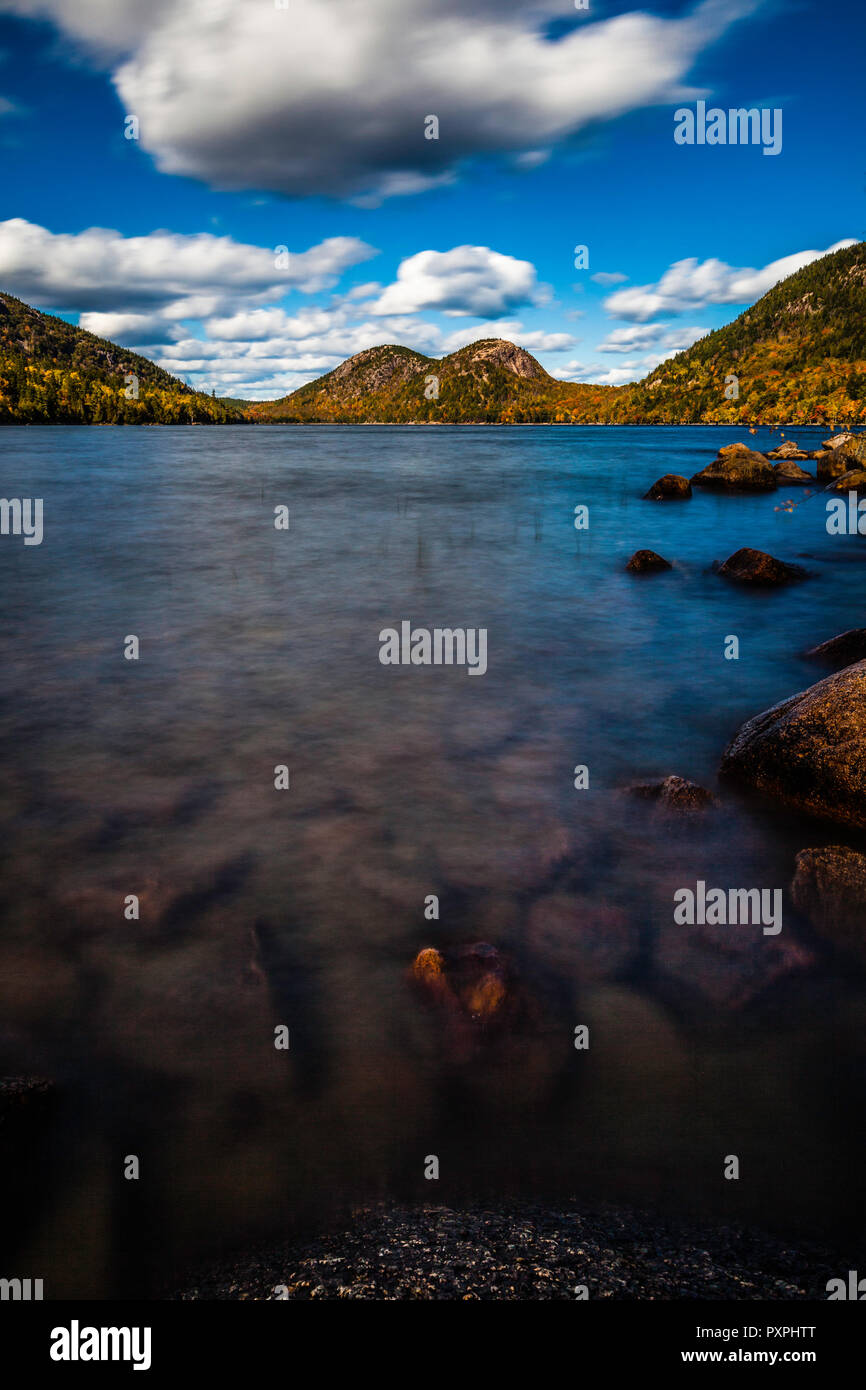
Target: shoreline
(522,1250)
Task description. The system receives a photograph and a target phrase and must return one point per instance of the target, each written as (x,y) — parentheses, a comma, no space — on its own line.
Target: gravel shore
(523,1251)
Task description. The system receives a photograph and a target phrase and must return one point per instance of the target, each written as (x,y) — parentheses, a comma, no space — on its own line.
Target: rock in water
(809,752)
(737,468)
(842,650)
(788,450)
(851,482)
(838,440)
(790,472)
(672,486)
(674,792)
(647,562)
(829,887)
(756,567)
(471,980)
(833,464)
(854,446)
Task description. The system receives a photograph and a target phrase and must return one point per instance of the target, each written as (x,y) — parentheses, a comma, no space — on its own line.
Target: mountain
(491,381)
(798,355)
(53,373)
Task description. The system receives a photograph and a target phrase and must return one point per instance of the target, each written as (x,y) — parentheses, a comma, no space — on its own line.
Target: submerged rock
(24,1096)
(647,562)
(842,650)
(748,566)
(829,887)
(671,486)
(472,980)
(809,751)
(737,468)
(674,792)
(581,936)
(725,966)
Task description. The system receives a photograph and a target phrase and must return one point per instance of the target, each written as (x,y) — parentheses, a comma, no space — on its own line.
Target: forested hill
(54,373)
(798,354)
(492,381)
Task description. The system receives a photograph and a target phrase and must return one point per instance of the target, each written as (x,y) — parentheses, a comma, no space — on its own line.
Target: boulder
(673,792)
(833,464)
(788,450)
(829,887)
(647,562)
(790,473)
(855,448)
(748,566)
(809,751)
(737,468)
(838,440)
(672,486)
(851,482)
(842,650)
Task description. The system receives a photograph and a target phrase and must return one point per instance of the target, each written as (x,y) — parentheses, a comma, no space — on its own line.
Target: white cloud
(330,96)
(608,277)
(647,335)
(692,284)
(466,280)
(101,270)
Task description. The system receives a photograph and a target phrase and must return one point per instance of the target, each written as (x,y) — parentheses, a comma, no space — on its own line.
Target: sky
(249,191)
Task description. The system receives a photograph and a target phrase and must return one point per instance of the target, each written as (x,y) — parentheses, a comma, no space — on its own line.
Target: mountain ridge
(796,356)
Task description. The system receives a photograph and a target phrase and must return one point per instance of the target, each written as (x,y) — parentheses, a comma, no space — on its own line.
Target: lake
(304,907)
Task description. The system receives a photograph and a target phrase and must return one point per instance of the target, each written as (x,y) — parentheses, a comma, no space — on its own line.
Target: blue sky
(263,125)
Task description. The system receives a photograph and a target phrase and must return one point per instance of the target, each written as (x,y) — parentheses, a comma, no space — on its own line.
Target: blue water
(305,907)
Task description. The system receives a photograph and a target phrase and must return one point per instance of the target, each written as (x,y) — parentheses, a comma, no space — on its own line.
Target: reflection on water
(305,907)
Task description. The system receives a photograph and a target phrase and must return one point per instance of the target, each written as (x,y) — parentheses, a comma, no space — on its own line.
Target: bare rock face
(789,473)
(748,566)
(838,440)
(647,562)
(673,487)
(842,650)
(829,887)
(809,752)
(499,352)
(370,370)
(674,793)
(737,468)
